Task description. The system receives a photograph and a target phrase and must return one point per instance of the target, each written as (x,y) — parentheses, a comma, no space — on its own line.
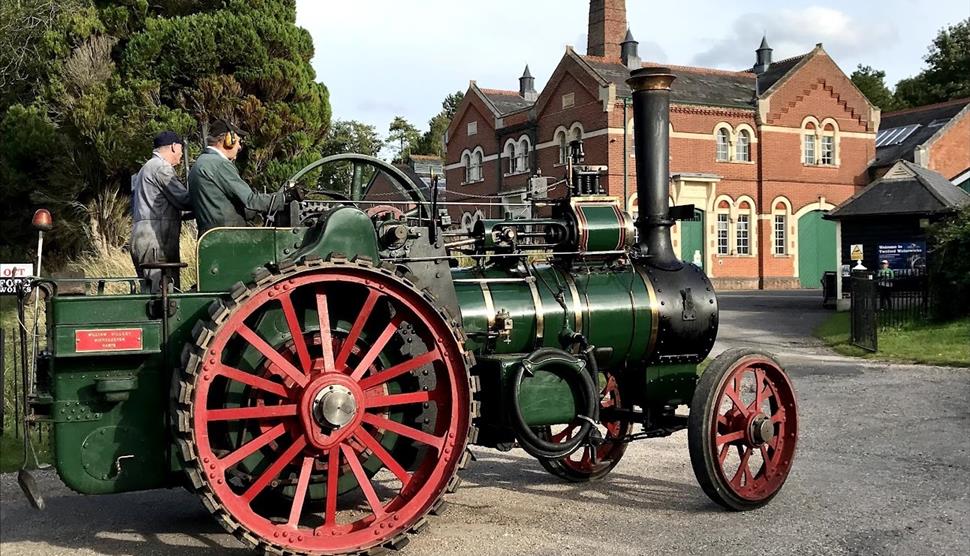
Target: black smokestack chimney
(651,131)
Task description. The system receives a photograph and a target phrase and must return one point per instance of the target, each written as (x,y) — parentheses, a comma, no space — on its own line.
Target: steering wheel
(410,190)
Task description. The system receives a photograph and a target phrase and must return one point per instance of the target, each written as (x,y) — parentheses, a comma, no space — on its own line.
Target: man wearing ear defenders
(220,198)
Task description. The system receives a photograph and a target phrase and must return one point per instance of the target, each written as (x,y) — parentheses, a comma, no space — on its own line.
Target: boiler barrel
(642,315)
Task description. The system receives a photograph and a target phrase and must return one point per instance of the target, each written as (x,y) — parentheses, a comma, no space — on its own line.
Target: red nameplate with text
(113,339)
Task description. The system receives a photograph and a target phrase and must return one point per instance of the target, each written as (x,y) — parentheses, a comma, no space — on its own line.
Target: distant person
(884,279)
(220,198)
(157,201)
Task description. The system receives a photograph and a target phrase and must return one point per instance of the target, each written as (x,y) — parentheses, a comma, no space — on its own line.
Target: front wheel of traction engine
(329,378)
(742,429)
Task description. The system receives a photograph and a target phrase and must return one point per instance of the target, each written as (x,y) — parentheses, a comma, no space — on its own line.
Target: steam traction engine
(347,354)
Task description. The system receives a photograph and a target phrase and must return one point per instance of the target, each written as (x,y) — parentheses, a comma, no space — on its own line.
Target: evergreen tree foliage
(872,83)
(102,78)
(950,266)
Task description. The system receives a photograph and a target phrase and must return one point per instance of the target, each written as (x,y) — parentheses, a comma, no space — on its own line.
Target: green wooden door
(692,238)
(816,248)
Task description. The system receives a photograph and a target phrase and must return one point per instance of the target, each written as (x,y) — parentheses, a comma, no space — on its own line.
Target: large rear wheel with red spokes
(743,428)
(326,411)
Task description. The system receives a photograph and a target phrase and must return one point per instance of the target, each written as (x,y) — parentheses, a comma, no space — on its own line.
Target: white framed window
(466,164)
(781,234)
(828,151)
(723,223)
(472,128)
(510,157)
(808,151)
(522,155)
(568,100)
(742,149)
(475,167)
(723,145)
(743,234)
(563,144)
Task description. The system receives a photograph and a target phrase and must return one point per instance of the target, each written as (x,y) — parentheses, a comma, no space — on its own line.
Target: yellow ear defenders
(230,140)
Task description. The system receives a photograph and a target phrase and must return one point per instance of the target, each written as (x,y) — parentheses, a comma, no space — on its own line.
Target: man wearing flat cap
(157,201)
(220,198)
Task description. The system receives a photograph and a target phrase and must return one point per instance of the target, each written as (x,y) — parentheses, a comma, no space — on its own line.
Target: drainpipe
(626,157)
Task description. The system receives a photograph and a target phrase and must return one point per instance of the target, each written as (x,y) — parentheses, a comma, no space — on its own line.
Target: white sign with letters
(12,275)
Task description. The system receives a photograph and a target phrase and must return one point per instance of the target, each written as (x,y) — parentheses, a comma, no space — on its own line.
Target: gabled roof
(915,126)
(708,87)
(506,102)
(905,189)
(776,71)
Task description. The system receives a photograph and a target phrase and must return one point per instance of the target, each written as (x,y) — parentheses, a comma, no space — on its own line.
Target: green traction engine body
(108,372)
(363,339)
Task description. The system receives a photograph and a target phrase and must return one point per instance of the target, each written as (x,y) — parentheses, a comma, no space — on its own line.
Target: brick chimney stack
(607,28)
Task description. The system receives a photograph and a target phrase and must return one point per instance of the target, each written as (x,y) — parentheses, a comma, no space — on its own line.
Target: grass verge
(929,343)
(12,451)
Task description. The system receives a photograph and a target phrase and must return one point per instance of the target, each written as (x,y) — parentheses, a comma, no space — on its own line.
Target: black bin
(829,289)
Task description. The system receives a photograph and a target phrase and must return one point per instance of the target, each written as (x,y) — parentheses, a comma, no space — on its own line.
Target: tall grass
(112,261)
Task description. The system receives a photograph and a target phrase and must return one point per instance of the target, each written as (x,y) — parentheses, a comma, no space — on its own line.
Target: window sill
(777,256)
(830,166)
(472,182)
(509,174)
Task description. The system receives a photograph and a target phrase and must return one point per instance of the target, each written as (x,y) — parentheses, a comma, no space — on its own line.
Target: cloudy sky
(382,58)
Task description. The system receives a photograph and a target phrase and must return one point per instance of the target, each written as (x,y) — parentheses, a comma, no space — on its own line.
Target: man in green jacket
(220,198)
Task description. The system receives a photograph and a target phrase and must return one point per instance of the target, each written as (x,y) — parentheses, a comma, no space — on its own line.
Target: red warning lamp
(42,220)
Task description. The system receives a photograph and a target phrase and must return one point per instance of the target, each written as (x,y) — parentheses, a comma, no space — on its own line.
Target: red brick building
(761,153)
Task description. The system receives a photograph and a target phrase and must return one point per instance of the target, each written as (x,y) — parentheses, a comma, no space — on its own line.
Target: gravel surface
(883,467)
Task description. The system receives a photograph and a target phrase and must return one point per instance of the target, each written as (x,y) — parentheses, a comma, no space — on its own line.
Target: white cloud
(795,31)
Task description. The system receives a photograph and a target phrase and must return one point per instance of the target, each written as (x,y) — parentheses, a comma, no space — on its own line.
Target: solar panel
(894,135)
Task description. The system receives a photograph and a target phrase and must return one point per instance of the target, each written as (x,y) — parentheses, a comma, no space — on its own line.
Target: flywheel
(323,379)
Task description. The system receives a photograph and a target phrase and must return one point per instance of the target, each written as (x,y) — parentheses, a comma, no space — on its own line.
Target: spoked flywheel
(326,411)
(743,428)
(592,462)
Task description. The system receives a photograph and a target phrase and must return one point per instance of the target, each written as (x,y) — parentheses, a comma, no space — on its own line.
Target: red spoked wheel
(327,379)
(743,429)
(581,466)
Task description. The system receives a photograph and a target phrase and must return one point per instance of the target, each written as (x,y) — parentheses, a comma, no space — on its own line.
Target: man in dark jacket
(220,198)
(157,201)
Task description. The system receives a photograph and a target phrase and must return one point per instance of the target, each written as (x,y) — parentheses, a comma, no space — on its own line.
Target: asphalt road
(883,467)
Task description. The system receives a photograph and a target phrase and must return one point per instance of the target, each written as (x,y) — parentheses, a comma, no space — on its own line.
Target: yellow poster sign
(856,252)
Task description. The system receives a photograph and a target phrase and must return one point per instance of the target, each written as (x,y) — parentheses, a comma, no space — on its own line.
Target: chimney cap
(651,79)
(527,73)
(764,43)
(629,36)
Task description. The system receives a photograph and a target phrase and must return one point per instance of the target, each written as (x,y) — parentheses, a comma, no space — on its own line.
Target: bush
(950,266)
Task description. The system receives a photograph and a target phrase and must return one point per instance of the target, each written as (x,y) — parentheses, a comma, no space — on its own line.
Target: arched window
(828,145)
(466,164)
(809,138)
(563,146)
(742,148)
(477,165)
(742,229)
(510,157)
(723,227)
(522,158)
(779,229)
(723,144)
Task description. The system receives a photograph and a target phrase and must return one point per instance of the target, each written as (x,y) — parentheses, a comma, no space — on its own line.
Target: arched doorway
(816,248)
(692,239)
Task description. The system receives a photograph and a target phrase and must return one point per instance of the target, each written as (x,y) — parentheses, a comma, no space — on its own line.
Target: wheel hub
(334,406)
(761,430)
